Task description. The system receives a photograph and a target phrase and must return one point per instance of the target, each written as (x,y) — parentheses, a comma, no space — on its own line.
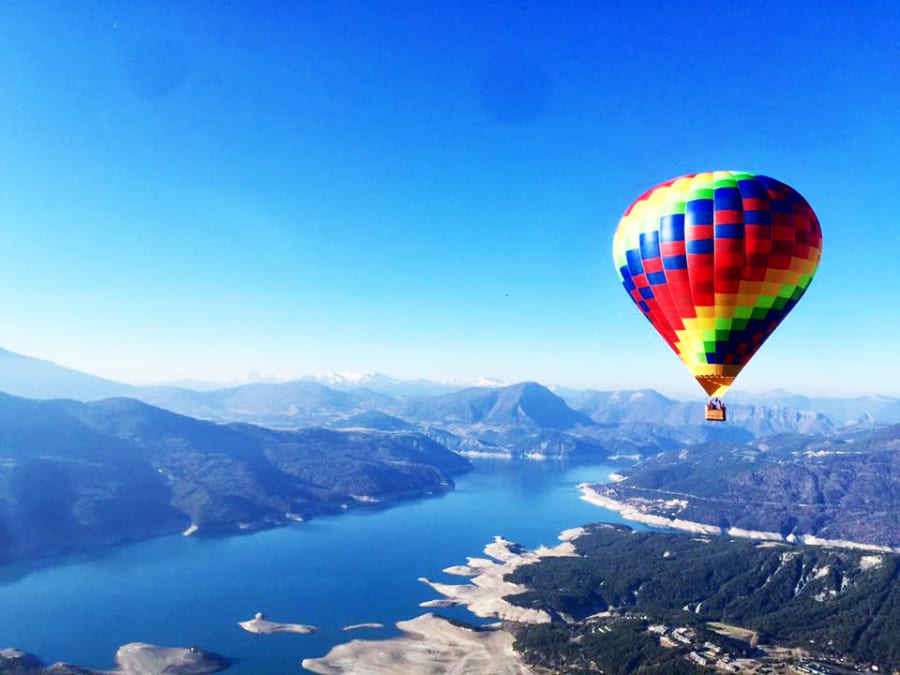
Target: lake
(329,572)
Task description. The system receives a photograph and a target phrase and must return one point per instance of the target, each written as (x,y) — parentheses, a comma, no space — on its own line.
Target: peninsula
(432,644)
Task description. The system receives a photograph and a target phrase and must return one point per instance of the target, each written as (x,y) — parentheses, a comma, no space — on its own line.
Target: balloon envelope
(715,261)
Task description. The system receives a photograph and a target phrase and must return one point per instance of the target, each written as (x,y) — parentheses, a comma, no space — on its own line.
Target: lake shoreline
(632,511)
(16,567)
(282,570)
(430,641)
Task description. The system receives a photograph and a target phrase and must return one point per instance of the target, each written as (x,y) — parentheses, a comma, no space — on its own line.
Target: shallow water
(329,572)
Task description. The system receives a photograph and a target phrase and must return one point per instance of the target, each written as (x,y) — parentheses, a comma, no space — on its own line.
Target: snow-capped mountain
(482,381)
(336,379)
(385,384)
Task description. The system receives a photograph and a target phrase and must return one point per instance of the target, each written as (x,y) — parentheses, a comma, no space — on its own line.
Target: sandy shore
(260,624)
(639,511)
(635,513)
(433,645)
(430,645)
(486,591)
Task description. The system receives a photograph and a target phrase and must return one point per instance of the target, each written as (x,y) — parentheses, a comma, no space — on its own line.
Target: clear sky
(427,189)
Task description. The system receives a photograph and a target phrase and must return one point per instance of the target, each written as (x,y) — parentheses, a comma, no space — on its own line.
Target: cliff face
(768,420)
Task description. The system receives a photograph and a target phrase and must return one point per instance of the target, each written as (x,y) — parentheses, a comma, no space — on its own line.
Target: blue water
(330,572)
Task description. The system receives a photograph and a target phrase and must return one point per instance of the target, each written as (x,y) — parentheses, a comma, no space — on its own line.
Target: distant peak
(335,377)
(530,385)
(481,381)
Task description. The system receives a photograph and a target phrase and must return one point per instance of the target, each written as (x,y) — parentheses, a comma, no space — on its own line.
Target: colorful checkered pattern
(715,261)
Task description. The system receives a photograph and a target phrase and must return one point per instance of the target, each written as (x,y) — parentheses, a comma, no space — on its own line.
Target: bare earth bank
(434,645)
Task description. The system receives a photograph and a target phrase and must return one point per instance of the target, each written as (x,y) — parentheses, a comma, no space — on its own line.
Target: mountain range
(521,420)
(839,486)
(76,476)
(313,398)
(151,460)
(648,602)
(385,384)
(29,377)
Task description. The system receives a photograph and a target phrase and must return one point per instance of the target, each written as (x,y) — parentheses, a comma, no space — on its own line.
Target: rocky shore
(135,658)
(430,644)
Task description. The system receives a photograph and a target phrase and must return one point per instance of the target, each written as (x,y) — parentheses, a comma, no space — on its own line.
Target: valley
(98,477)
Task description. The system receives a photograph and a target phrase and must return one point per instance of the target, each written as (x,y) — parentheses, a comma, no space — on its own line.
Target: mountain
(401,389)
(526,404)
(35,378)
(378,382)
(76,475)
(285,404)
(633,407)
(374,419)
(521,421)
(841,411)
(306,402)
(512,421)
(839,486)
(648,602)
(515,421)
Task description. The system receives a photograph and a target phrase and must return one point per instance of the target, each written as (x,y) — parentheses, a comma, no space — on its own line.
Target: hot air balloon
(715,261)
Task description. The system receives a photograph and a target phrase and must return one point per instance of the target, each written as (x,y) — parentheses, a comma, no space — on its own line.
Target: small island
(139,658)
(363,626)
(260,624)
(135,658)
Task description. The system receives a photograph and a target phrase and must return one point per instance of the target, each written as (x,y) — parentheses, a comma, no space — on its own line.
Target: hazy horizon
(202,191)
(344,378)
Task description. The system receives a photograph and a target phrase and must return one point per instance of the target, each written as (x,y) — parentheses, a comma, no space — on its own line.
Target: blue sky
(199,190)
